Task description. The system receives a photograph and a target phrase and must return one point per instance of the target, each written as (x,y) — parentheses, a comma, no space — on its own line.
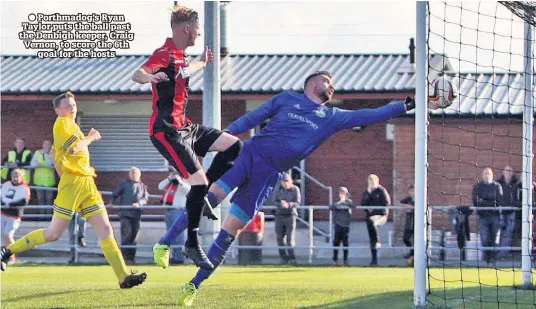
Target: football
(441,92)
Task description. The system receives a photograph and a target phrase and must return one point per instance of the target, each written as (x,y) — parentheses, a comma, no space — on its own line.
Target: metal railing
(329,189)
(311,247)
(330,202)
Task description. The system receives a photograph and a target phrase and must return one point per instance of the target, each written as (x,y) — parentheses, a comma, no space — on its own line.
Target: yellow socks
(114,258)
(32,239)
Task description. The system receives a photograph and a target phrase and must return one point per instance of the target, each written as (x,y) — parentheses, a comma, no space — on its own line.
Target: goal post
(490,50)
(528,123)
(421,133)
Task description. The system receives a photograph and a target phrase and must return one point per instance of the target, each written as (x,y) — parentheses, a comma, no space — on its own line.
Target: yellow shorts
(80,194)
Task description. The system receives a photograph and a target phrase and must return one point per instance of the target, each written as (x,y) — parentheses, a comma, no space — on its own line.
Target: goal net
(479,154)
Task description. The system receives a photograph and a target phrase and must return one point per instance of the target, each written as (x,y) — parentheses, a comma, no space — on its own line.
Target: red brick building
(120,108)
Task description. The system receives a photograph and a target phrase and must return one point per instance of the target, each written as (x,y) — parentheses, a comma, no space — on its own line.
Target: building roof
(500,94)
(240,73)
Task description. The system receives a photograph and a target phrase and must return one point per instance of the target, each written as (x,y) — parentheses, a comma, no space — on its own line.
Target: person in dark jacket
(130,192)
(342,217)
(287,198)
(511,188)
(488,193)
(410,223)
(375,195)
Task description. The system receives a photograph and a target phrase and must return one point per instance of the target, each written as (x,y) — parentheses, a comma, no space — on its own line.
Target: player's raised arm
(82,144)
(158,60)
(202,62)
(254,118)
(348,119)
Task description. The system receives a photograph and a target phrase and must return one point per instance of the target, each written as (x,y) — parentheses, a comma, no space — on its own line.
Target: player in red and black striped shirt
(173,134)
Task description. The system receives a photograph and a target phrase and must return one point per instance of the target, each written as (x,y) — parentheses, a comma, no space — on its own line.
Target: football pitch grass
(237,287)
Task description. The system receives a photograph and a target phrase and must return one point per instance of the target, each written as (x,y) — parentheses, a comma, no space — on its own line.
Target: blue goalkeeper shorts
(255,180)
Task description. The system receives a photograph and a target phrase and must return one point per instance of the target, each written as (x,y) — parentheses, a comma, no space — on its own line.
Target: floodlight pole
(211,103)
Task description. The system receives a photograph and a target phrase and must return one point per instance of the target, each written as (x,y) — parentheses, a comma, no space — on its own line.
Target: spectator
(375,195)
(44,175)
(130,192)
(77,231)
(18,157)
(287,198)
(488,193)
(175,191)
(15,194)
(511,189)
(410,223)
(342,216)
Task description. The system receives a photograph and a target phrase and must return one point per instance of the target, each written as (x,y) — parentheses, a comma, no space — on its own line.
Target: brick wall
(458,151)
(31,120)
(347,158)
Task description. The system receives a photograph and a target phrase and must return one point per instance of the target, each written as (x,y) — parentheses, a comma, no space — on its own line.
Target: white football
(441,92)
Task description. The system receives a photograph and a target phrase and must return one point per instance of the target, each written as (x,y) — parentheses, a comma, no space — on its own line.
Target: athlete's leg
(93,210)
(248,199)
(181,221)
(102,227)
(177,148)
(228,148)
(35,238)
(232,179)
(70,192)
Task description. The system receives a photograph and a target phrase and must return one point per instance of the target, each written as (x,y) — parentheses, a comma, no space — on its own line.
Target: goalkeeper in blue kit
(299,124)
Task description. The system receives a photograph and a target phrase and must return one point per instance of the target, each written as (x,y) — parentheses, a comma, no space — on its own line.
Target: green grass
(263,287)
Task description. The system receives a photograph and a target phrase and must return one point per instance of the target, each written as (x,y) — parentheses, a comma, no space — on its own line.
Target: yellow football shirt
(66,134)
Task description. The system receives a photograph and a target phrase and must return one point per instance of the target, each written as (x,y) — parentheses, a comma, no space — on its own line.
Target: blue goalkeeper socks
(178,226)
(212,199)
(216,255)
(181,222)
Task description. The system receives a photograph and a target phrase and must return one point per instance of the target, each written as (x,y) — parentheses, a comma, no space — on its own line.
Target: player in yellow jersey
(76,192)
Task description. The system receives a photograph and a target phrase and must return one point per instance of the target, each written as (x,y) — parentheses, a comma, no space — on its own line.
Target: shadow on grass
(506,297)
(283,270)
(11,302)
(163,305)
(47,294)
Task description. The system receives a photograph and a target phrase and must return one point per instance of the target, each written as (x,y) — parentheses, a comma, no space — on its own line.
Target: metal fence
(435,244)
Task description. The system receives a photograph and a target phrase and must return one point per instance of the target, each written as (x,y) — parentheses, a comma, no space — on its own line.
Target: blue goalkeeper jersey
(299,125)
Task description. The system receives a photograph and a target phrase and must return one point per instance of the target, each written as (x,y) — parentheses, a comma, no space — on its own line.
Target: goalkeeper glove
(410,103)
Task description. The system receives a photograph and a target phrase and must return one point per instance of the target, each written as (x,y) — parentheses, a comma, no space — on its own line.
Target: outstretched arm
(348,119)
(254,118)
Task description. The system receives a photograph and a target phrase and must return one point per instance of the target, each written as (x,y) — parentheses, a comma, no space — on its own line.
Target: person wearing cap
(342,217)
(130,192)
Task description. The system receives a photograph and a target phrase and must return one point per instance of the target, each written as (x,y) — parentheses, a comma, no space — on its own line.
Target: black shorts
(181,147)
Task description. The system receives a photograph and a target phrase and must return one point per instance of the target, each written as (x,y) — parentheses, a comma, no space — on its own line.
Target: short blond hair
(66,95)
(180,14)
